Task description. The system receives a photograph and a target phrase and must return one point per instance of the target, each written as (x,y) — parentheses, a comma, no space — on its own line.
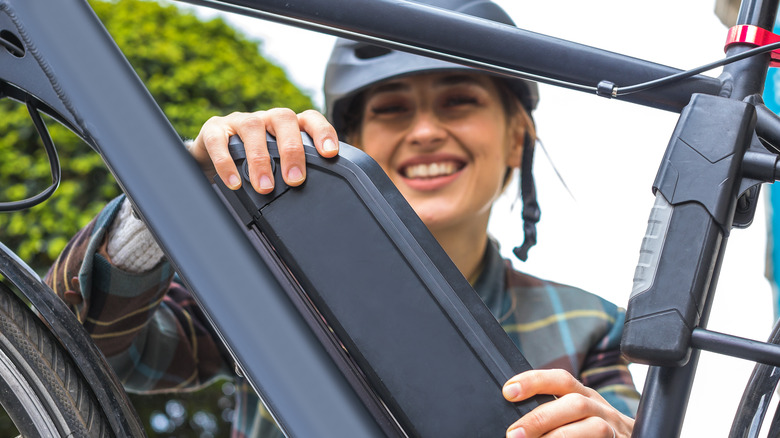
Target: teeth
(431,170)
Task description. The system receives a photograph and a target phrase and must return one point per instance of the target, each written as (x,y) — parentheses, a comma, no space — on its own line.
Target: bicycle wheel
(41,389)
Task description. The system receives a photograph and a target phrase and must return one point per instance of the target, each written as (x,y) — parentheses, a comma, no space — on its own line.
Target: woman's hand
(210,148)
(578,411)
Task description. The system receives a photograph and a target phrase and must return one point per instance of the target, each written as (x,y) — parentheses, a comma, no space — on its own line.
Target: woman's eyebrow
(388,88)
(457,80)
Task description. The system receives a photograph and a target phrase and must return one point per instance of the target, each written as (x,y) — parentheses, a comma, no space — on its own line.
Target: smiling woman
(449,138)
(607,153)
(447,143)
(415,115)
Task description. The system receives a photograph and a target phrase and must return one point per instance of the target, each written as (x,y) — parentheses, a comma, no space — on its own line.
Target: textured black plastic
(698,183)
(660,319)
(426,343)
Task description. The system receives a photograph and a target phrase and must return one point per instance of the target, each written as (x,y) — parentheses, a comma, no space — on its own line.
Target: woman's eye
(388,109)
(456,101)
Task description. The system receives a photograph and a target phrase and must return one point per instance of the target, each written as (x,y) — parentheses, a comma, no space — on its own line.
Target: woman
(449,138)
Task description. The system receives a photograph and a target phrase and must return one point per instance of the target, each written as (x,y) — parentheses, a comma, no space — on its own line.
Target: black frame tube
(665,396)
(117,116)
(521,53)
(667,389)
(734,346)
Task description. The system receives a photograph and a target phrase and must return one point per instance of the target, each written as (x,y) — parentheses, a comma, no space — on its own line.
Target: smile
(431,170)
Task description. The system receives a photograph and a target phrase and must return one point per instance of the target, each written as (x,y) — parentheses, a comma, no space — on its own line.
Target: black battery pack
(414,338)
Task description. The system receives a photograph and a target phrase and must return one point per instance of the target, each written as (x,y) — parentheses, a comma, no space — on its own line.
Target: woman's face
(446,142)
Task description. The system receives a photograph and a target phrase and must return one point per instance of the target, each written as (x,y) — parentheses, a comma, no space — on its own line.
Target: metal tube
(666,393)
(665,400)
(667,389)
(477,42)
(759,13)
(734,346)
(277,350)
(746,78)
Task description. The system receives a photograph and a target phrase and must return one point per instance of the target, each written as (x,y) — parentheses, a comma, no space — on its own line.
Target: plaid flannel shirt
(157,339)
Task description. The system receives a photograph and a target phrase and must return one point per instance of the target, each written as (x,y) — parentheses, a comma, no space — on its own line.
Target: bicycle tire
(41,389)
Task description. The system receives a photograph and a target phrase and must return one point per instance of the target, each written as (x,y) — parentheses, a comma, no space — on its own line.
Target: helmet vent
(370,51)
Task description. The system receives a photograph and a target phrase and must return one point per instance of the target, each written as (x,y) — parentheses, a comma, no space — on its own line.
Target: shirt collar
(491,282)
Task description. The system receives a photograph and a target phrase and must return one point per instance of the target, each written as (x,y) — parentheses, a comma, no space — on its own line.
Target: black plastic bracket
(697,188)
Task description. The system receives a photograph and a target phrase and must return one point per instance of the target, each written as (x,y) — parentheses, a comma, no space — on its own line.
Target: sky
(607,153)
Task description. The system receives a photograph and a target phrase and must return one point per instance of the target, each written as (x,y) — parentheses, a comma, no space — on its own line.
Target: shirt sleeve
(558,326)
(605,369)
(148,325)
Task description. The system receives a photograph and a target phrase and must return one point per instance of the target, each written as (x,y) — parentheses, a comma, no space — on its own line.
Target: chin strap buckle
(755,36)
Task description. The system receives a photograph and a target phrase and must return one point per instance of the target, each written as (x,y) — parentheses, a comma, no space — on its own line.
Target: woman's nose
(426,130)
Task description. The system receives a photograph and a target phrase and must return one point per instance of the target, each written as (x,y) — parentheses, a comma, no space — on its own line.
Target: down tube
(118,116)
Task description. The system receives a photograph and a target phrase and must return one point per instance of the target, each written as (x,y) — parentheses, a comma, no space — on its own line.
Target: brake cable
(54,165)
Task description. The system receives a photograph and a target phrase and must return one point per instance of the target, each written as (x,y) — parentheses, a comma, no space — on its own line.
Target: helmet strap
(531,211)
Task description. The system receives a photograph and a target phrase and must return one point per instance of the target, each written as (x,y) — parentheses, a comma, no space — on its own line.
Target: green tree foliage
(194,68)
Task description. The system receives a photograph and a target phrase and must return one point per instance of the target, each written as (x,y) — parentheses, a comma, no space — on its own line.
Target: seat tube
(667,389)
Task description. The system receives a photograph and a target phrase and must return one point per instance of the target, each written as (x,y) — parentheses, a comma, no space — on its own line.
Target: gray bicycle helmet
(354,66)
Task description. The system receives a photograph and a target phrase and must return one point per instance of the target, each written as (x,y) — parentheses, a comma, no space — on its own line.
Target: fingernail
(329,146)
(266,183)
(234,182)
(294,175)
(512,391)
(516,433)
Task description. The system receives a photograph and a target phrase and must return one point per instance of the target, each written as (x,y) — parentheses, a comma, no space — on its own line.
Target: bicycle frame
(85,83)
